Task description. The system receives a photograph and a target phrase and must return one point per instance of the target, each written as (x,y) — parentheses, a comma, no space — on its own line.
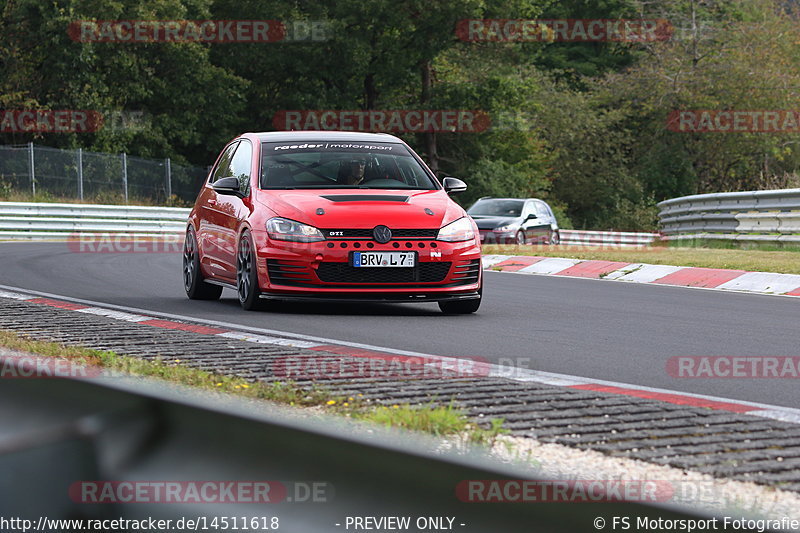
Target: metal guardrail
(767,216)
(60,221)
(55,433)
(606,238)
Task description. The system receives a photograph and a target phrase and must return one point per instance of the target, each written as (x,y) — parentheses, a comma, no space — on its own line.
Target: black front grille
(467,272)
(367,233)
(415,233)
(288,273)
(344,273)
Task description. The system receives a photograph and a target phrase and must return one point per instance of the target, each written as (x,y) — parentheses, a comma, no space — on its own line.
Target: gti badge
(382,234)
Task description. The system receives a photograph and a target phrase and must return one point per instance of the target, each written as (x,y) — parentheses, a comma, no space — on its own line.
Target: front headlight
(283,229)
(504,229)
(460,230)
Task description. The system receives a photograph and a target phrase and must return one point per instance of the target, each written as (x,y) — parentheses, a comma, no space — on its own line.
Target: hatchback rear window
(341,165)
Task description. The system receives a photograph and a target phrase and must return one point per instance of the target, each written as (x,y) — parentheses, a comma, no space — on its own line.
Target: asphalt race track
(600,329)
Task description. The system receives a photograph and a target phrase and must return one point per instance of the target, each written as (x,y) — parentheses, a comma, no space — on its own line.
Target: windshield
(341,165)
(497,208)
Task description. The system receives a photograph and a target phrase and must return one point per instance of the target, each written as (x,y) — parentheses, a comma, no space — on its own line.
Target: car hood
(364,208)
(488,222)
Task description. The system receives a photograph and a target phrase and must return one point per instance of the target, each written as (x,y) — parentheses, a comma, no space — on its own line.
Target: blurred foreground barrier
(766,216)
(106,448)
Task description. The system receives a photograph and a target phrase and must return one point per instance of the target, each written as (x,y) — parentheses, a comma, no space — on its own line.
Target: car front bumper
(323,271)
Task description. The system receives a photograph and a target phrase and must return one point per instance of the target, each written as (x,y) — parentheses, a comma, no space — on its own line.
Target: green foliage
(576,63)
(5,190)
(188,101)
(582,125)
(499,178)
(438,420)
(560,212)
(740,57)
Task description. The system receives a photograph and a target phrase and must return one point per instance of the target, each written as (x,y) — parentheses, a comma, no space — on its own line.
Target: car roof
(288,136)
(517,199)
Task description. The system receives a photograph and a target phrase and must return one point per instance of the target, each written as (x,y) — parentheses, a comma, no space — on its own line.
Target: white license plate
(384,259)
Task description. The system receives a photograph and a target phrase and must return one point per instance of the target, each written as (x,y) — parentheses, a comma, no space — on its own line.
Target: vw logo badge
(382,234)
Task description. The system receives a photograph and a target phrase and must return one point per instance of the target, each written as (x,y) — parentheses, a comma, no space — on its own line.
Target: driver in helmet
(352,171)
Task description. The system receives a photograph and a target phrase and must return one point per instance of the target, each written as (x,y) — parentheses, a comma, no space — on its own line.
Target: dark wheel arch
(247,287)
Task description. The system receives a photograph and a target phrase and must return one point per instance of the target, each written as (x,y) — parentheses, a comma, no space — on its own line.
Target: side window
(223,169)
(528,209)
(541,210)
(240,166)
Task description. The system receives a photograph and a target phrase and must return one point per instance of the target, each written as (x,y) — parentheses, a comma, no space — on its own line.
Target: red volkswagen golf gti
(330,216)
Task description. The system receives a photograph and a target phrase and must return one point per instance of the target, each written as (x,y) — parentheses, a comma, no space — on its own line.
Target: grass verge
(436,420)
(172,371)
(764,246)
(783,262)
(439,420)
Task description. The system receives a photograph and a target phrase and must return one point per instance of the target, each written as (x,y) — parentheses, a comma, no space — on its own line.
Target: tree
(732,55)
(186,101)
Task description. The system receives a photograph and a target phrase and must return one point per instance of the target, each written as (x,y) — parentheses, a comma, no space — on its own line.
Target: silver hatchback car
(515,221)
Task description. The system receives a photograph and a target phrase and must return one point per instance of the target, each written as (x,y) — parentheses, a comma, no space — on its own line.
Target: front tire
(196,288)
(520,238)
(555,237)
(462,307)
(247,275)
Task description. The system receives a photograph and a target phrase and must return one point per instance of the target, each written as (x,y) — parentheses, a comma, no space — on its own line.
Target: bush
(5,190)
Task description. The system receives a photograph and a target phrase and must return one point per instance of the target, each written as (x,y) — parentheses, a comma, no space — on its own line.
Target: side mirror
(532,216)
(454,186)
(229,185)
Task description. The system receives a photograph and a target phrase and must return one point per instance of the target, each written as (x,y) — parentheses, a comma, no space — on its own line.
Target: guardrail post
(125,175)
(31,168)
(80,173)
(168,175)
